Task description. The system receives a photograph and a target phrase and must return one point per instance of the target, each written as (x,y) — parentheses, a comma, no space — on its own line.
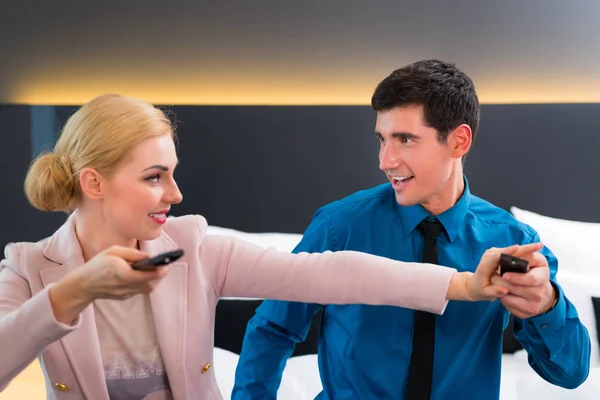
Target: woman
(103,329)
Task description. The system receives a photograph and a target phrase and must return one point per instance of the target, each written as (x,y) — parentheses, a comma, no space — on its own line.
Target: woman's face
(138,196)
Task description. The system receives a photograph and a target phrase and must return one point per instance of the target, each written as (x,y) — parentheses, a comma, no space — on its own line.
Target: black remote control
(160,260)
(510,263)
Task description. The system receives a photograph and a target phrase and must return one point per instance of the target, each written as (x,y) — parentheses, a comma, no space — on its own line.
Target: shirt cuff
(553,318)
(548,324)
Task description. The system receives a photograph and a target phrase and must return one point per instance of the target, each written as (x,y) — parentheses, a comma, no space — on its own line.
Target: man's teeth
(402,178)
(158,216)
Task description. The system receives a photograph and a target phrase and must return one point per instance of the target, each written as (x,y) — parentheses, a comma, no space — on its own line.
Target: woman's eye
(153,178)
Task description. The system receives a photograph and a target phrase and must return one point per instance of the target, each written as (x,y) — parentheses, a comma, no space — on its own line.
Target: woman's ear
(91,183)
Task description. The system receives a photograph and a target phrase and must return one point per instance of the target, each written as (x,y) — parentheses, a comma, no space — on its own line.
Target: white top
(133,365)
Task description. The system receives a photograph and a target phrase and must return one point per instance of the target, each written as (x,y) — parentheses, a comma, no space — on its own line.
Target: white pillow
(300,379)
(514,367)
(580,287)
(534,387)
(280,241)
(224,363)
(573,243)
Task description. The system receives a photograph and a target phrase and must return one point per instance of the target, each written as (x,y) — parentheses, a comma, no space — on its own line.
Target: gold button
(62,387)
(206,367)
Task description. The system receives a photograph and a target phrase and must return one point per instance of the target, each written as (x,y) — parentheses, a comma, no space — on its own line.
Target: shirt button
(544,326)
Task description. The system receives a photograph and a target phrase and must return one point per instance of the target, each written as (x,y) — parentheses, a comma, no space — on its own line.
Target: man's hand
(529,294)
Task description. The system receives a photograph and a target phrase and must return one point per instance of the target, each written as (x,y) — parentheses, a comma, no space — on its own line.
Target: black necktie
(420,372)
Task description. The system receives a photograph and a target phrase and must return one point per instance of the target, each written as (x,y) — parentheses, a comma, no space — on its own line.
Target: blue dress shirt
(364,350)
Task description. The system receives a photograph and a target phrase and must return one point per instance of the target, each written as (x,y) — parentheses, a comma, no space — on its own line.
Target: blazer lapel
(169,309)
(81,346)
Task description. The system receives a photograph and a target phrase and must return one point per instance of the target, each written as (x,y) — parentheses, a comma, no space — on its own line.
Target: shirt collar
(452,219)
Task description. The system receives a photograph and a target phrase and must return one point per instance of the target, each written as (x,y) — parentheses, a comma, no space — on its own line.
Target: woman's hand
(479,285)
(109,275)
(106,276)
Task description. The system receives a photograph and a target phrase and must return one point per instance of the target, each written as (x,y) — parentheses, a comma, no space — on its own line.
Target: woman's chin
(150,234)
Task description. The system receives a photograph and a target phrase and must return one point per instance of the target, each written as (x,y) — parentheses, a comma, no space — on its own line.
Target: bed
(519,382)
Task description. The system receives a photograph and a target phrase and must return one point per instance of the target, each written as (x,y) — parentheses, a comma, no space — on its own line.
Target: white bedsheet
(518,382)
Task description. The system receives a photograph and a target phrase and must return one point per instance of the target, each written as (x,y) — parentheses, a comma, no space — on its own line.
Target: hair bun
(63,166)
(49,184)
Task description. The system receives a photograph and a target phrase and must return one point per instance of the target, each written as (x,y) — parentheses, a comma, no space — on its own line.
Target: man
(427,119)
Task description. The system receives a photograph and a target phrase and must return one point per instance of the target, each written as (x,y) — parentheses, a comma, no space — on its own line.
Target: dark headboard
(260,169)
(542,158)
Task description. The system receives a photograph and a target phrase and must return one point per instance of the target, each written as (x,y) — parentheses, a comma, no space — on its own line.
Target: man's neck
(448,195)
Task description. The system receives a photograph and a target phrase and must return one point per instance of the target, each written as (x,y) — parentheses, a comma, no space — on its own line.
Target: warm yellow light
(260,88)
(203,96)
(273,96)
(214,88)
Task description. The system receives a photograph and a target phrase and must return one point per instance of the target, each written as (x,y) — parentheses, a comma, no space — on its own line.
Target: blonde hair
(97,136)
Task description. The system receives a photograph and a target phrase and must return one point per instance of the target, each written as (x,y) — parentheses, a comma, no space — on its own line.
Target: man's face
(416,163)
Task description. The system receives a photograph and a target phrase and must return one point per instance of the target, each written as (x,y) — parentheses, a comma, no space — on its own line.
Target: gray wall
(516,50)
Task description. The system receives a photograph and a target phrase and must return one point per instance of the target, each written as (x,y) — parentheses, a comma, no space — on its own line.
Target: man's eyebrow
(401,135)
(404,135)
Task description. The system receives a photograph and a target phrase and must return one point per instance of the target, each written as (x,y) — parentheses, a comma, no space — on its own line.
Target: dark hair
(446,94)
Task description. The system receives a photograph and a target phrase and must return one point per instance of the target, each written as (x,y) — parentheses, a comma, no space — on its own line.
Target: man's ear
(91,183)
(460,140)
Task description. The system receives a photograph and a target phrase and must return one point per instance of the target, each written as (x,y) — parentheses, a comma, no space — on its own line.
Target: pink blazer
(184,303)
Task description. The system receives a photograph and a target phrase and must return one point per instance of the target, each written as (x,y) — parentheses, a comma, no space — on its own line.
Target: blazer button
(62,387)
(206,367)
